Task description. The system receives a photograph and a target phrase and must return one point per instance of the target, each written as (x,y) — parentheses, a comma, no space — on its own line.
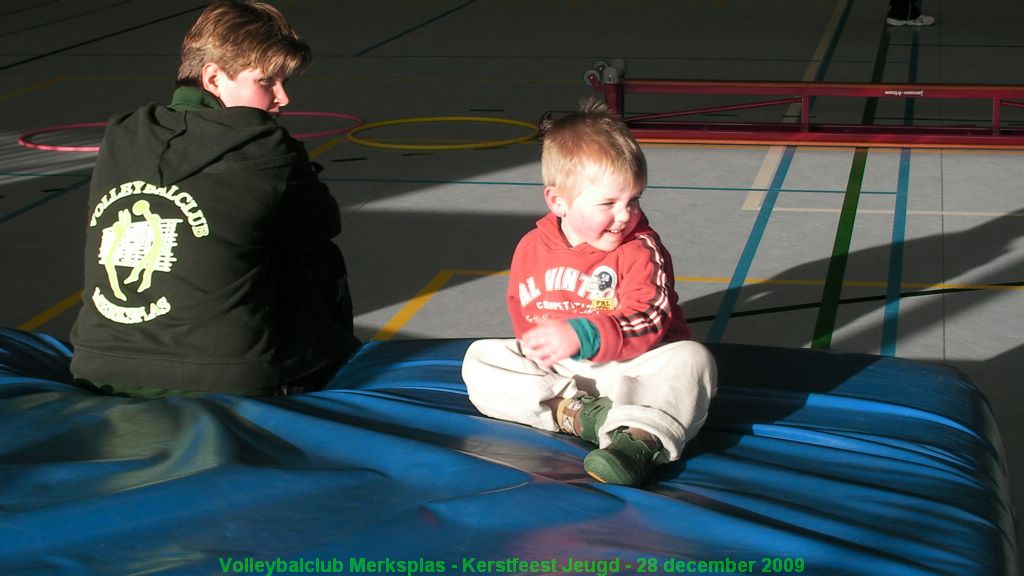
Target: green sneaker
(625,461)
(583,416)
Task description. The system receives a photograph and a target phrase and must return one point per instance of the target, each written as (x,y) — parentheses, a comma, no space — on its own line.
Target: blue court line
(732,293)
(890,322)
(739,276)
(45,199)
(833,44)
(891,316)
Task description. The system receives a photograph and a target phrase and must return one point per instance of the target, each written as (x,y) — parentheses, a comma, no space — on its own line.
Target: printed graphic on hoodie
(139,247)
(562,288)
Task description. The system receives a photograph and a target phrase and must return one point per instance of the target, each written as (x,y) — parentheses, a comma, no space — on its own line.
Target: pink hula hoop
(26,138)
(357,121)
(25,141)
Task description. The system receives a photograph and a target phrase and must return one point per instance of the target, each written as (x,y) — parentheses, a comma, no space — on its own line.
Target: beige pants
(665,391)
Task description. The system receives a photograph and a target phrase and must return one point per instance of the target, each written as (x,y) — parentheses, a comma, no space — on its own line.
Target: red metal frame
(654,127)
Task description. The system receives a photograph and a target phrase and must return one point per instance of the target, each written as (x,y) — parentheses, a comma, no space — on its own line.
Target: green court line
(826,322)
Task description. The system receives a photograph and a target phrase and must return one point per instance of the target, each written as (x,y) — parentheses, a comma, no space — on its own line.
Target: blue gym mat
(811,462)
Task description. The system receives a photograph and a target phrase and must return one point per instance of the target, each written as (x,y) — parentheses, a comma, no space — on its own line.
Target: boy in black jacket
(209,262)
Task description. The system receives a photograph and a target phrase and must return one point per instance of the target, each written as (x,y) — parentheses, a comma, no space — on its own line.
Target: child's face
(604,211)
(254,89)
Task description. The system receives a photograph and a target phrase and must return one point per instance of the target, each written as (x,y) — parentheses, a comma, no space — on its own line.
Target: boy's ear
(211,77)
(558,203)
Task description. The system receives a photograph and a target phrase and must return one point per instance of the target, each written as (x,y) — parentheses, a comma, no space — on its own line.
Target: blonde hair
(238,35)
(592,141)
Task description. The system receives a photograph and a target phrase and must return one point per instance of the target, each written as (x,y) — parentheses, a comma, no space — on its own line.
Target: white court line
(771,160)
(764,177)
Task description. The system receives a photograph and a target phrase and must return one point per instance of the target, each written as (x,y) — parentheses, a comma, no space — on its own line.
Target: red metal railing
(656,127)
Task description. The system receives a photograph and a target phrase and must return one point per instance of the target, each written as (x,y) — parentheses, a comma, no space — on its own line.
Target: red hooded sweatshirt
(627,294)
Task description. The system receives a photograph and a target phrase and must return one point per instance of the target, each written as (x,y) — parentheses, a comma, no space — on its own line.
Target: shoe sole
(607,472)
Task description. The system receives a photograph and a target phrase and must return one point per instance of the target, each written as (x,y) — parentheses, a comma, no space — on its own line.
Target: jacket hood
(175,143)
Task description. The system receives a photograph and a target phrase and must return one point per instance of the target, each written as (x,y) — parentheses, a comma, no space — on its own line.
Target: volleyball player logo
(145,246)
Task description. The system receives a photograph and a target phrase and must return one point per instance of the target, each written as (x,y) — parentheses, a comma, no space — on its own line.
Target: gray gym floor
(428,233)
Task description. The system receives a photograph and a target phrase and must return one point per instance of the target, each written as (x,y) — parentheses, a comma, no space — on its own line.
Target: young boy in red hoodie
(602,348)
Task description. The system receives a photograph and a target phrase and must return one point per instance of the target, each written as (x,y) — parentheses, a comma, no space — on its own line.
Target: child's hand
(549,342)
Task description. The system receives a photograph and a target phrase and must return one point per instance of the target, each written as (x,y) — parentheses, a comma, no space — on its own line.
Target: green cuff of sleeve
(590,338)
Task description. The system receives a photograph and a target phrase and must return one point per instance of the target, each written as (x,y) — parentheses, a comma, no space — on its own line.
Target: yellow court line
(32,88)
(51,312)
(324,148)
(438,282)
(413,306)
(441,279)
(852,283)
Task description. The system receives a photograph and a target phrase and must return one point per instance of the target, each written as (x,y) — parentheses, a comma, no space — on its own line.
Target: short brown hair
(238,35)
(592,138)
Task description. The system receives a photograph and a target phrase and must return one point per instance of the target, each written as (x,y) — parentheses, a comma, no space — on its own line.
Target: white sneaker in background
(921,20)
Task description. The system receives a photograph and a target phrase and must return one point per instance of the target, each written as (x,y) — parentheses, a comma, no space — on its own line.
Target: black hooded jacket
(209,259)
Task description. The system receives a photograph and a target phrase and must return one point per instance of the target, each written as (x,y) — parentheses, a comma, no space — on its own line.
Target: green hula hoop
(534,130)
